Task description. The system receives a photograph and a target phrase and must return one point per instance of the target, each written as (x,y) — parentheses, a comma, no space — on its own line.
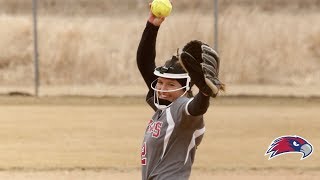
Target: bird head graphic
(289,144)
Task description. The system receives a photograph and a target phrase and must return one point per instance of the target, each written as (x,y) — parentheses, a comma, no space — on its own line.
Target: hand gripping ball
(161,8)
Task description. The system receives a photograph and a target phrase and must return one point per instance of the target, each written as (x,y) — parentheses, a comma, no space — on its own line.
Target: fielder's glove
(202,64)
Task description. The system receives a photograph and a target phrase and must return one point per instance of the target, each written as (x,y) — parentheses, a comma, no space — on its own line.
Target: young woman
(177,127)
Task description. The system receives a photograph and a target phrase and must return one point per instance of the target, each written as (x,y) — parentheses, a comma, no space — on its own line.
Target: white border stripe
(196,134)
(186,108)
(169,130)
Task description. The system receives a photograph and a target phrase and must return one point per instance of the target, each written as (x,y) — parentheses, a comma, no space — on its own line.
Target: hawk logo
(289,144)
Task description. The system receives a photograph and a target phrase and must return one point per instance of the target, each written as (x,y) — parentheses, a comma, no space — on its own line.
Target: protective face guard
(163,104)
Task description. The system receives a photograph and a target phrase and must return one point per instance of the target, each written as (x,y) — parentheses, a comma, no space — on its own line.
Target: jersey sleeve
(181,116)
(146,54)
(198,105)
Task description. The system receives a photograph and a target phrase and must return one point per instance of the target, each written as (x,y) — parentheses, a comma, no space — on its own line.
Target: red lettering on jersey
(143,154)
(154,128)
(150,126)
(157,130)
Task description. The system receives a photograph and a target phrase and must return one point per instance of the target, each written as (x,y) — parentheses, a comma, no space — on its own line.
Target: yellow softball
(161,8)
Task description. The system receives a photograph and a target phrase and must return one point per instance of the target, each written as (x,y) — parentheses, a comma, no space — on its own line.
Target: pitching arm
(146,54)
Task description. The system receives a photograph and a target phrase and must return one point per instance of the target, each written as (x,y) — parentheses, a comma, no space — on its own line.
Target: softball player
(177,127)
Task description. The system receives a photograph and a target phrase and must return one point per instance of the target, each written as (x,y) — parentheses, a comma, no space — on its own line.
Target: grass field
(100,138)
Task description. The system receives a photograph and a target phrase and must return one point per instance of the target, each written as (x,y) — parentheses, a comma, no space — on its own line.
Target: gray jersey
(170,142)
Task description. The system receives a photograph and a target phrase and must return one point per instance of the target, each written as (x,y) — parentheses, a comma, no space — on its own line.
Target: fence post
(216,27)
(35,41)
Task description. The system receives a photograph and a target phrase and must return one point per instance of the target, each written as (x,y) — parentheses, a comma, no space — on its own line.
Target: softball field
(99,138)
(94,133)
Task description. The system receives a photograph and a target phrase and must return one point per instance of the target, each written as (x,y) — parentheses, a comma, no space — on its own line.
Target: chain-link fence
(90,46)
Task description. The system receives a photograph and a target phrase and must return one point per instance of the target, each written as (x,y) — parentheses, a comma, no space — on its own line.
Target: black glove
(202,64)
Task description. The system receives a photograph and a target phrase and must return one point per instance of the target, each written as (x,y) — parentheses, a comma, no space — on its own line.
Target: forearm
(146,53)
(199,105)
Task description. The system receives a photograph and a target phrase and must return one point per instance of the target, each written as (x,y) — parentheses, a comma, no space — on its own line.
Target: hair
(172,66)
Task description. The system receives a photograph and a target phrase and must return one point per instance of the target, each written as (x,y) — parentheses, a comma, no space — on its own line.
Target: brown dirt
(135,175)
(99,138)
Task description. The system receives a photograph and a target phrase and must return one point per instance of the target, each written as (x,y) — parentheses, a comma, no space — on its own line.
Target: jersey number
(143,154)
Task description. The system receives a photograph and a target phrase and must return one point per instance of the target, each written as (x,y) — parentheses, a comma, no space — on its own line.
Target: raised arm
(146,52)
(202,64)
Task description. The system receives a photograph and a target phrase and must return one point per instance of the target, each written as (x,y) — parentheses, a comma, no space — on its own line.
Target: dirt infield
(134,175)
(99,138)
